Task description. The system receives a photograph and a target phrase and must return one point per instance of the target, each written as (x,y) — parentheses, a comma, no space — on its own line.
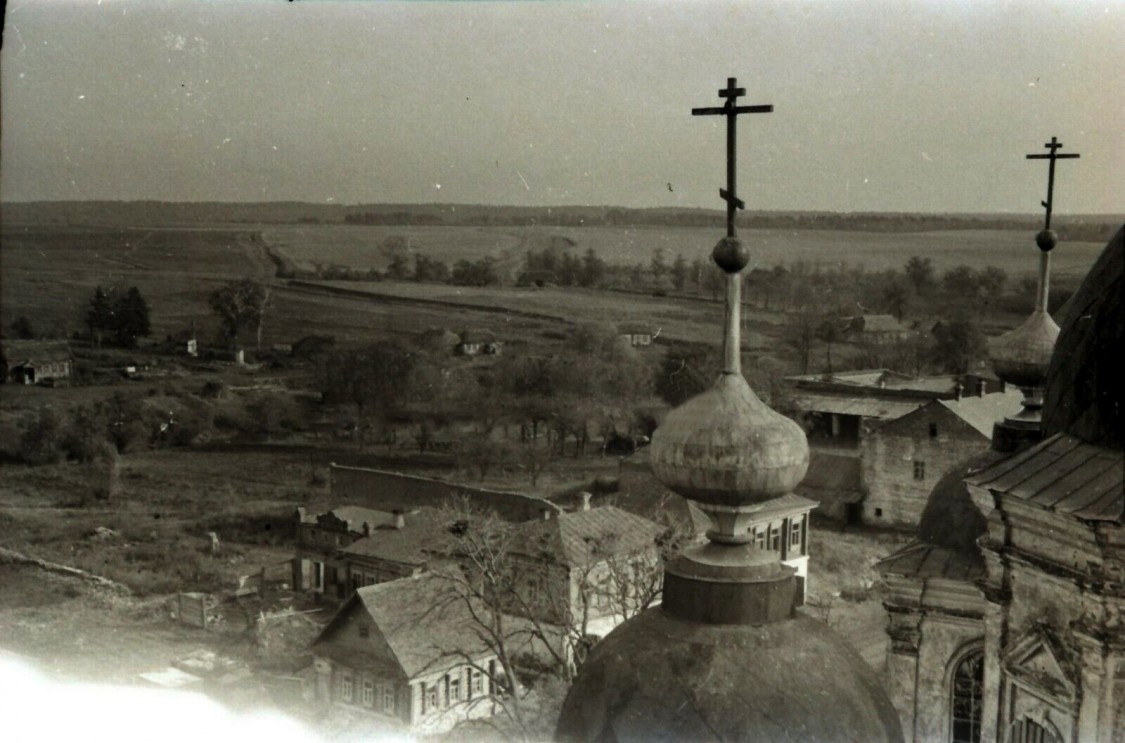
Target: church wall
(943,639)
(896,496)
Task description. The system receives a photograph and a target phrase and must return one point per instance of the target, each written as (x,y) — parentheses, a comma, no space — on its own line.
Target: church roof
(1062,473)
(1087,373)
(921,560)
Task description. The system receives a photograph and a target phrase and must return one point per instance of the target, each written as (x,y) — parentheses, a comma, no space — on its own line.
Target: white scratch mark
(524,180)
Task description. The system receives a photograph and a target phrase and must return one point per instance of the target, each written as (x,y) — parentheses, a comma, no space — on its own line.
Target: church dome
(1022,356)
(1087,374)
(660,678)
(950,518)
(727,447)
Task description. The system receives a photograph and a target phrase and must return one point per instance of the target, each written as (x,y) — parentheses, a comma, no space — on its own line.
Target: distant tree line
(120,316)
(1078,230)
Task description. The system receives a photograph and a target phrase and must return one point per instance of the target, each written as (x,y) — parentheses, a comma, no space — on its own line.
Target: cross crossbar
(1054,145)
(731,111)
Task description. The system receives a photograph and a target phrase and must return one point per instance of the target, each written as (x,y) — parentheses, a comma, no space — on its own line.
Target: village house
(904,458)
(37,362)
(636,335)
(875,329)
(840,411)
(780,525)
(406,652)
(479,343)
(317,564)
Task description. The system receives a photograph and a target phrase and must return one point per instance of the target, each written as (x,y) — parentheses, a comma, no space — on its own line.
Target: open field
(49,273)
(360,246)
(679,319)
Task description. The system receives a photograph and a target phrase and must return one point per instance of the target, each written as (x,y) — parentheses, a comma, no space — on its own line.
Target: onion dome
(727,447)
(1022,356)
(727,655)
(661,678)
(1087,375)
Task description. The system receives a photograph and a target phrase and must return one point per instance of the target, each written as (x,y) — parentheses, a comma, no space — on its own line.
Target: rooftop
(1062,473)
(427,626)
(578,538)
(409,545)
(983,411)
(356,516)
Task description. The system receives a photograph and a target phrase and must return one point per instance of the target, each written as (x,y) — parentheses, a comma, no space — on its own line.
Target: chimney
(545,513)
(960,390)
(981,386)
(582,501)
(366,529)
(400,519)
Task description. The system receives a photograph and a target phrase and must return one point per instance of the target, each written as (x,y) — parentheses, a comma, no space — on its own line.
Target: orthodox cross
(731,111)
(1053,155)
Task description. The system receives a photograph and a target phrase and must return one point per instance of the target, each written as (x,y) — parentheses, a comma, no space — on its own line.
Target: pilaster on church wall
(902,666)
(995,619)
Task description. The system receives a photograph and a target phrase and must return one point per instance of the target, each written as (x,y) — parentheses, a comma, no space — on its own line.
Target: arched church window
(968,691)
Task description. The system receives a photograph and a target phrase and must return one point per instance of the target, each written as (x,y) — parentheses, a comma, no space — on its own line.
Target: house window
(478,683)
(919,470)
(346,686)
(454,690)
(432,698)
(760,538)
(388,696)
(795,534)
(878,512)
(775,538)
(368,693)
(933,430)
(967,692)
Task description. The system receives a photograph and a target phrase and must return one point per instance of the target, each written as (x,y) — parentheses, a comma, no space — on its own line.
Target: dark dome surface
(1087,373)
(659,678)
(950,518)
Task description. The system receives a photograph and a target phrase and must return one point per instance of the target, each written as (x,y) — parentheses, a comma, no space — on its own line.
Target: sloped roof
(867,407)
(1087,373)
(409,545)
(478,336)
(20,351)
(923,560)
(356,516)
(783,506)
(634,328)
(1062,473)
(877,324)
(982,412)
(570,538)
(426,624)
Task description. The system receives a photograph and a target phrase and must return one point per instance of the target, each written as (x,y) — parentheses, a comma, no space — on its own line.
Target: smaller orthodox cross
(730,110)
(1053,155)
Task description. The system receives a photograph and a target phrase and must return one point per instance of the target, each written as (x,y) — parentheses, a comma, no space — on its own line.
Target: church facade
(1006,615)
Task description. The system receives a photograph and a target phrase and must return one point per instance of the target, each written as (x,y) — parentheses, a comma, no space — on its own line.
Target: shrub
(42,440)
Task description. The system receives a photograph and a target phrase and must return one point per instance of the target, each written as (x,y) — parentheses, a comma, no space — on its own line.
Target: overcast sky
(879,106)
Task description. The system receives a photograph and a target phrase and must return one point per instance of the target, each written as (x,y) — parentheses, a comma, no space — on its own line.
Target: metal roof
(922,560)
(868,407)
(786,504)
(1062,473)
(982,412)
